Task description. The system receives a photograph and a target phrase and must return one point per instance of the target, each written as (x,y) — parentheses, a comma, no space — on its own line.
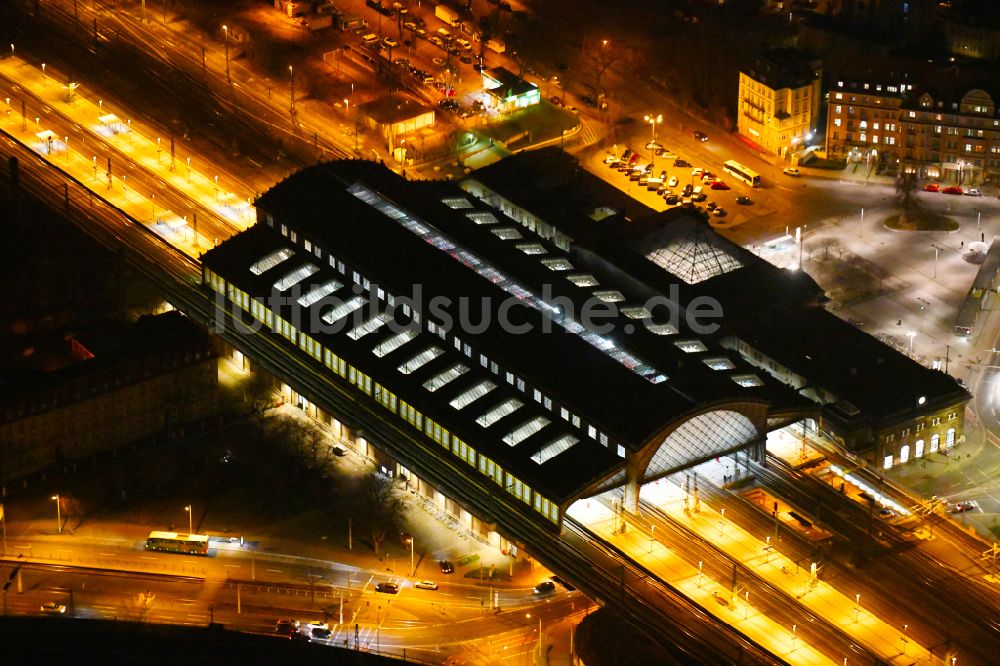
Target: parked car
(744,201)
(464,43)
(701,136)
(435,40)
(697,172)
(52,608)
(710,206)
(791,171)
(962,507)
(954,189)
(320,634)
(465,59)
(672,182)
(446,567)
(370,38)
(317,624)
(671,199)
(687,190)
(698,196)
(708,178)
(681,163)
(387,588)
(426,585)
(973,193)
(720,212)
(545,587)
(720,185)
(390,43)
(653,145)
(932,187)
(589,101)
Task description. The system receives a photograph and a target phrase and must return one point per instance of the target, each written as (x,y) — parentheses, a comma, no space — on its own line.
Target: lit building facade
(780,100)
(952,136)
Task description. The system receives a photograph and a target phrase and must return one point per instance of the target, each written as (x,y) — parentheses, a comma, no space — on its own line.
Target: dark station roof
(778,311)
(619,386)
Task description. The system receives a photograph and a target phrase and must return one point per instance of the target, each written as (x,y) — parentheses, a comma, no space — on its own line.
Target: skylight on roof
(507,233)
(691,346)
(296,276)
(393,343)
(269,261)
(554,448)
(442,378)
(505,408)
(420,360)
(340,311)
(318,292)
(610,295)
(525,430)
(464,399)
(695,259)
(531,248)
(368,326)
(661,329)
(718,363)
(636,312)
(747,381)
(583,280)
(557,264)
(456,202)
(482,217)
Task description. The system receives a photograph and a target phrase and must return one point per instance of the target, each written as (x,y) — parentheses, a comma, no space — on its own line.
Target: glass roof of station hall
(409,360)
(498,277)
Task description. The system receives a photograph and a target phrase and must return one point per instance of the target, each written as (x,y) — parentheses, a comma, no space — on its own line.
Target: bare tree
(258,394)
(381,507)
(303,440)
(906,190)
(598,57)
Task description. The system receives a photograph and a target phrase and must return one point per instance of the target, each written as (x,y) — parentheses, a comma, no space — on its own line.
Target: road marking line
(275,570)
(233,566)
(144,557)
(106,554)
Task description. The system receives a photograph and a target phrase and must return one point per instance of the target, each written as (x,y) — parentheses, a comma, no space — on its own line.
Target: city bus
(747,175)
(172,542)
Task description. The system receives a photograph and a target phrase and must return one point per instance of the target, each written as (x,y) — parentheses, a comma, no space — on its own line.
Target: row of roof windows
(318,292)
(427,233)
(485,418)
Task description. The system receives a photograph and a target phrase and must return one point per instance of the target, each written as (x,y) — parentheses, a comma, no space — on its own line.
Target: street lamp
(291,85)
(190,519)
(225,29)
(911,335)
(58,512)
(857,605)
(413,568)
(652,120)
(936,250)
